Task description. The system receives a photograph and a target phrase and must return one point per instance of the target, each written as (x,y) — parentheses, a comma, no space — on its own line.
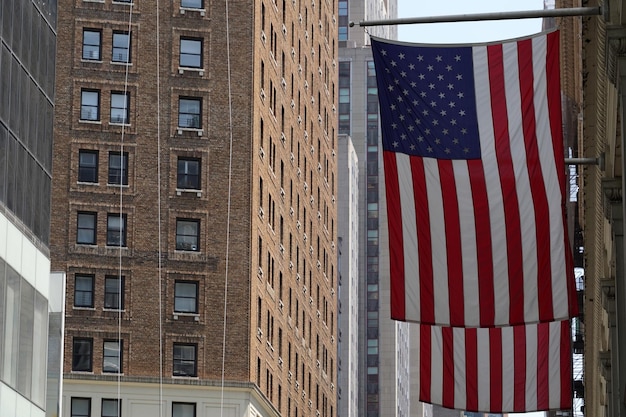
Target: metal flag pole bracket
(528,14)
(599,161)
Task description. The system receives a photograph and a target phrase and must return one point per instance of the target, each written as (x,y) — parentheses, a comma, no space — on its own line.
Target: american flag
(510,369)
(475,182)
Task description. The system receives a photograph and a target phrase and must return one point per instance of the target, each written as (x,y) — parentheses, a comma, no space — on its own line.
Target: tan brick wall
(310,81)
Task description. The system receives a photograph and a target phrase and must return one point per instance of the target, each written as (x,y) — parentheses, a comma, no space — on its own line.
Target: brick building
(194,206)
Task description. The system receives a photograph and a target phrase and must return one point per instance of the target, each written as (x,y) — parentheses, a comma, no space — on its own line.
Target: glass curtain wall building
(27,63)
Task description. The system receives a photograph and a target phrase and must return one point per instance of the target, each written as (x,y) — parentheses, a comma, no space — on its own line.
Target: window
(187,234)
(80,407)
(191,4)
(183,409)
(86,228)
(92,45)
(185,359)
(118,168)
(87,166)
(188,173)
(90,105)
(116,230)
(111,407)
(112,356)
(121,47)
(191,53)
(114,292)
(186,297)
(83,290)
(189,110)
(82,354)
(120,107)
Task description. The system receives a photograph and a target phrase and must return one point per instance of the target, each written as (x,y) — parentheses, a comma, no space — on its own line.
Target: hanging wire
(122,226)
(230,174)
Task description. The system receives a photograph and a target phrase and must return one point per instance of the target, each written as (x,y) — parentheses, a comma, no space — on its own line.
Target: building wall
(265,206)
(27,44)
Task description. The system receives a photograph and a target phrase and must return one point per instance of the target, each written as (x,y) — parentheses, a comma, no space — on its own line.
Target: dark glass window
(187,234)
(86,228)
(189,110)
(191,53)
(185,359)
(111,407)
(188,173)
(80,407)
(192,4)
(121,47)
(83,290)
(82,354)
(87,166)
(183,409)
(92,44)
(120,111)
(118,168)
(112,356)
(186,297)
(116,230)
(90,105)
(114,292)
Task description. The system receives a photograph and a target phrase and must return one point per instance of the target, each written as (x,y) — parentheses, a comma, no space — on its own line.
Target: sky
(465,32)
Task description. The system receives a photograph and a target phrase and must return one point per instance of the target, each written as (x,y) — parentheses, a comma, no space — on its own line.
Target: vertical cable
(158,85)
(230,173)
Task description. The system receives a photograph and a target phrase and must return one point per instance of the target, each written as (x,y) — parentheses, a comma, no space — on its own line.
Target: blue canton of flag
(429,100)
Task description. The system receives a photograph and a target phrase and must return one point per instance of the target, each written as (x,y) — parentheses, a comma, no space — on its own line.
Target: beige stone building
(194,206)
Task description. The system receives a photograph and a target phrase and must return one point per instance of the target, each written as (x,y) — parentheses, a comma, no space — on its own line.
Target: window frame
(182,244)
(184,178)
(127,47)
(119,357)
(94,216)
(199,55)
(192,122)
(92,279)
(182,361)
(117,402)
(124,119)
(110,230)
(73,413)
(87,342)
(96,46)
(111,294)
(118,172)
(180,413)
(183,298)
(90,106)
(85,170)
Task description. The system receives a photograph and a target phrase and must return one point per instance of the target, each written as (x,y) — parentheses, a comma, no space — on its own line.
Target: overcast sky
(465,32)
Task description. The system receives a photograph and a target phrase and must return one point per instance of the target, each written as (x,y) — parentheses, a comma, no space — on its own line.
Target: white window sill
(87,183)
(119,124)
(180,191)
(118,186)
(123,64)
(200,71)
(176,316)
(180,130)
(90,122)
(183,10)
(84,308)
(92,61)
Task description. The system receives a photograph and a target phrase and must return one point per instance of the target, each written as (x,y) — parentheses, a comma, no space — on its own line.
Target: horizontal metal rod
(583,161)
(528,14)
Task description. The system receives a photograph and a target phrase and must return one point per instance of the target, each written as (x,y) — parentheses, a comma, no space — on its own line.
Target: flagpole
(528,14)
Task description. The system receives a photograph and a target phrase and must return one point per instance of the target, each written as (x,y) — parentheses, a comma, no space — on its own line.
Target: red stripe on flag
(425,359)
(507,181)
(424,243)
(396,245)
(566,365)
(454,253)
(484,253)
(495,368)
(447,337)
(537,186)
(519,368)
(543,366)
(471,369)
